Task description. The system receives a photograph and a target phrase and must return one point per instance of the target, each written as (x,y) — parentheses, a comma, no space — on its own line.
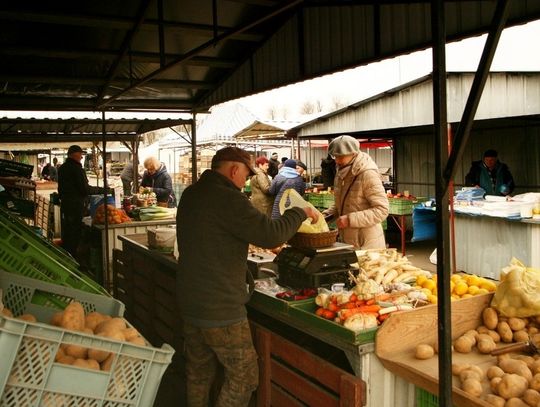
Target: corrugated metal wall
(518,147)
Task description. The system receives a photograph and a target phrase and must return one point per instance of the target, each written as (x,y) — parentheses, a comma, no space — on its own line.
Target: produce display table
(398,336)
(486,244)
(98,253)
(145,282)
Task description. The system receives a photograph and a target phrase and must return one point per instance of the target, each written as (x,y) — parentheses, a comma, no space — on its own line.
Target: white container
(526,210)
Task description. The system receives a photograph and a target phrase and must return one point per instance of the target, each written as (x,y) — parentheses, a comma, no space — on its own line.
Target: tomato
(329,314)
(319,311)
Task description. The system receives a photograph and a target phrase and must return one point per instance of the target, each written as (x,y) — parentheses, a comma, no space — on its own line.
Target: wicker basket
(314,240)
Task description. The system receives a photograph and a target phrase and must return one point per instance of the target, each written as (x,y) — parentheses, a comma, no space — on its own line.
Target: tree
(337,103)
(307,107)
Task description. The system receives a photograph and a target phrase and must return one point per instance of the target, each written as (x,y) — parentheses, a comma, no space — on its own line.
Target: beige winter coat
(260,196)
(359,194)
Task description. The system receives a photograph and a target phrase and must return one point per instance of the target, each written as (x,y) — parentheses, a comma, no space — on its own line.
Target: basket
(314,240)
(29,375)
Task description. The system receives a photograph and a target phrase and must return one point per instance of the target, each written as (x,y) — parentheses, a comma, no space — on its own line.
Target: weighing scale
(307,267)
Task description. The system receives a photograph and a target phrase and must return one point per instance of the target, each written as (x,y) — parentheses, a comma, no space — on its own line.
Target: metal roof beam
(201,48)
(124,48)
(119,23)
(55,80)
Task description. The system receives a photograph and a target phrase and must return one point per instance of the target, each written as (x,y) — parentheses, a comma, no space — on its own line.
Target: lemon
(455,278)
(432,299)
(473,280)
(488,285)
(452,286)
(429,284)
(421,279)
(461,288)
(454,297)
(467,295)
(482,291)
(473,289)
(426,291)
(434,277)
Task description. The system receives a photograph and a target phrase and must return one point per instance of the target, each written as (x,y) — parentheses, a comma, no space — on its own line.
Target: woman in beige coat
(260,187)
(361,203)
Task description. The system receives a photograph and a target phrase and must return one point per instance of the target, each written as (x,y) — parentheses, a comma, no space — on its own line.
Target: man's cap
(274,154)
(233,154)
(490,153)
(290,163)
(343,145)
(302,165)
(75,149)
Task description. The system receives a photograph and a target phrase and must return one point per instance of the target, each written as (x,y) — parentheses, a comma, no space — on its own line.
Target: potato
(60,354)
(531,397)
(56,319)
(534,383)
(92,364)
(457,368)
(113,324)
(494,335)
(139,340)
(424,351)
(115,335)
(472,387)
(532,330)
(78,352)
(478,370)
(521,336)
(66,360)
(470,374)
(494,371)
(512,385)
(490,318)
(486,346)
(93,319)
(494,384)
(80,363)
(130,333)
(515,402)
(529,360)
(535,367)
(516,324)
(482,329)
(27,318)
(98,355)
(73,317)
(463,344)
(506,333)
(494,400)
(107,363)
(518,367)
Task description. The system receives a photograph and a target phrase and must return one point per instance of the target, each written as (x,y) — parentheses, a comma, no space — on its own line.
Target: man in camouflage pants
(215,225)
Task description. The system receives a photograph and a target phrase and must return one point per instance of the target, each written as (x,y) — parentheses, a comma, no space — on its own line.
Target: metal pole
(444,326)
(194,149)
(106,280)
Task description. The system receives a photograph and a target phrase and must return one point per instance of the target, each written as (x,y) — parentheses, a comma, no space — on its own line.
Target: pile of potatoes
(514,380)
(74,318)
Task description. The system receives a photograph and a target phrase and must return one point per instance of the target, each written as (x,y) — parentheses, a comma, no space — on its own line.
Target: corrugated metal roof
(515,94)
(190,55)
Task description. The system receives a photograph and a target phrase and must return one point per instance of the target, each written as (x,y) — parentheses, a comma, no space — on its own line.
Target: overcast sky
(517,51)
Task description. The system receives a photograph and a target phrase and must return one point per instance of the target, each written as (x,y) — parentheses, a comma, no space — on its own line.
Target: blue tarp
(424,228)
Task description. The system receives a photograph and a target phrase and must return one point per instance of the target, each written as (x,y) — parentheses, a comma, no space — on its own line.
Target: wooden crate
(291,376)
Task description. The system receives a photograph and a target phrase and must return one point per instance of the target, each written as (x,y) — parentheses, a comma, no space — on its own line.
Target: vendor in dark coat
(215,225)
(158,179)
(328,171)
(491,175)
(73,191)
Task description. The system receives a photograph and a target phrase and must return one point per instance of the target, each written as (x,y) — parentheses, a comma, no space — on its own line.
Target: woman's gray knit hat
(343,145)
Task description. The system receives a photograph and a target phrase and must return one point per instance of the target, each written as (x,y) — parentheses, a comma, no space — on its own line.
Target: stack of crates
(403,206)
(31,377)
(24,252)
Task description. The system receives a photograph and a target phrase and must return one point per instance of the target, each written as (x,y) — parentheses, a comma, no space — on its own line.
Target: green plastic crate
(305,311)
(29,375)
(426,399)
(400,206)
(26,255)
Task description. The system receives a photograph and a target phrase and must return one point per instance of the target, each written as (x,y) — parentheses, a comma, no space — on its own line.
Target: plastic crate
(400,206)
(29,376)
(27,254)
(14,168)
(426,399)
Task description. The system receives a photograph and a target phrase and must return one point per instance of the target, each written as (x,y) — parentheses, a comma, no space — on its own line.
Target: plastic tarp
(423,224)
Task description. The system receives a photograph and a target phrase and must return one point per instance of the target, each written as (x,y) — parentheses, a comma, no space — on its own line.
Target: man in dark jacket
(158,179)
(73,191)
(215,224)
(273,165)
(491,175)
(328,171)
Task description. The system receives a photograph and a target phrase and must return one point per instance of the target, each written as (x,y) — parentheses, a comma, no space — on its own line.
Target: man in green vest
(491,175)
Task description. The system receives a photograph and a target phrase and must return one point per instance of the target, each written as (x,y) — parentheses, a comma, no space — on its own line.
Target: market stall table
(486,244)
(145,281)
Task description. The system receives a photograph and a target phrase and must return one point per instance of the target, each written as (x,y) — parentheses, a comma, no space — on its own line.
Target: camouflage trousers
(232,347)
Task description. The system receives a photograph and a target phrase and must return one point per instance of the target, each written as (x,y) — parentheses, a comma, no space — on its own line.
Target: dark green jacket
(215,224)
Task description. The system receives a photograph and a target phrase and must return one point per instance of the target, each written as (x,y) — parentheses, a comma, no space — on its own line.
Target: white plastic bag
(291,199)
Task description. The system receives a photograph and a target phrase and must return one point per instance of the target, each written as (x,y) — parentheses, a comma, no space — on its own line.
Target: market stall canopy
(30,130)
(265,130)
(189,55)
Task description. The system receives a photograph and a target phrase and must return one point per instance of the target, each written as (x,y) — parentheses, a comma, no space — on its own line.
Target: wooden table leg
(402,229)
